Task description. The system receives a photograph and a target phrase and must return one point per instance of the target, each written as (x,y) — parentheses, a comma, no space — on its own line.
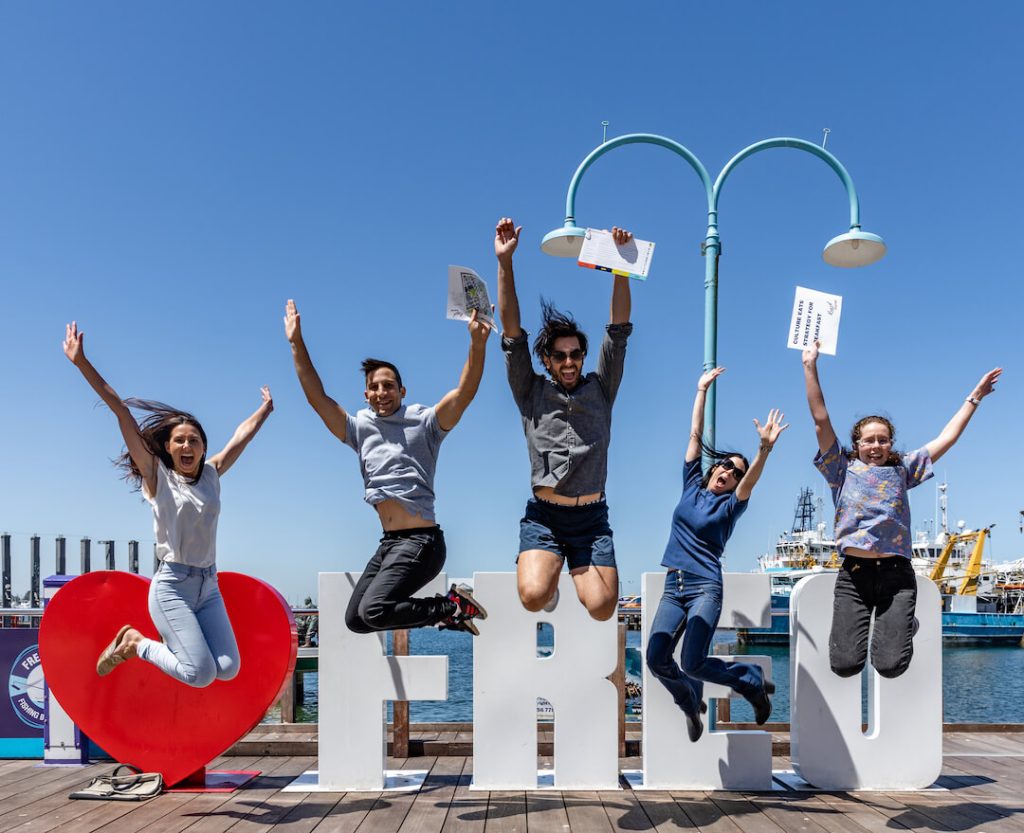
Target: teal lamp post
(852,248)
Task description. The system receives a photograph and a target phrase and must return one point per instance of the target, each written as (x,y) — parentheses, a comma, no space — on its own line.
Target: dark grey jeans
(383,597)
(886,587)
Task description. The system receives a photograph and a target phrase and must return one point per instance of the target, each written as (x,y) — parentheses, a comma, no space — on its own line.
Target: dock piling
(35,595)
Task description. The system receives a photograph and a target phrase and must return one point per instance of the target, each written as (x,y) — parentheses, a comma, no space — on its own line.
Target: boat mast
(942,509)
(803,515)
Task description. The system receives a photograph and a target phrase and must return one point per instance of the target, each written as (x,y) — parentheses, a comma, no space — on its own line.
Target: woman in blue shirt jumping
(692,602)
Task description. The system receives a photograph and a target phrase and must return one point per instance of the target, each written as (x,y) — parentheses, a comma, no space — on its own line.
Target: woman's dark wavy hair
(894,458)
(717,457)
(156,429)
(554,325)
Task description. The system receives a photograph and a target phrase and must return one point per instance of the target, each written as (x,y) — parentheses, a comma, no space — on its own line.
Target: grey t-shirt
(398,455)
(567,432)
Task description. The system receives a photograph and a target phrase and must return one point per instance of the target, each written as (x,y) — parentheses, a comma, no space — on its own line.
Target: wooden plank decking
(983,777)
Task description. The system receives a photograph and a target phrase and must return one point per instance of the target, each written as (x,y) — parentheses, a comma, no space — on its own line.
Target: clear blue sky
(171,174)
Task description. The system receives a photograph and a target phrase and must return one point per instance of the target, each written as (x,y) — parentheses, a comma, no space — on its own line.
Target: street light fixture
(850,249)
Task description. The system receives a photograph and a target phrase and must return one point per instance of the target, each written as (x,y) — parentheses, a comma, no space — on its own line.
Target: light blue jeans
(198,644)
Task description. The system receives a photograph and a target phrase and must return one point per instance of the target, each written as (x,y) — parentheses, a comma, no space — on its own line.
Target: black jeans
(404,562)
(886,587)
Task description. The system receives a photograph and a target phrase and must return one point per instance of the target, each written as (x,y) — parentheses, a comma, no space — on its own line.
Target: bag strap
(125,782)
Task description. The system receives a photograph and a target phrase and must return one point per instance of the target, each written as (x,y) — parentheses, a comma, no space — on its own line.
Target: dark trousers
(383,596)
(689,610)
(886,587)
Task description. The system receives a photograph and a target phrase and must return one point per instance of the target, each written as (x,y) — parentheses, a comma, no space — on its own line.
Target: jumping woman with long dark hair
(691,604)
(166,459)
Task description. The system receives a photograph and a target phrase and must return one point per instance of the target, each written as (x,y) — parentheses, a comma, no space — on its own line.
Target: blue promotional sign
(22,714)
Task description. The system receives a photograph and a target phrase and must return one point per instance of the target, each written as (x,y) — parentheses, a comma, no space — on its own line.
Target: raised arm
(454,403)
(816,400)
(506,238)
(769,435)
(693,448)
(243,434)
(955,427)
(327,409)
(621,299)
(74,349)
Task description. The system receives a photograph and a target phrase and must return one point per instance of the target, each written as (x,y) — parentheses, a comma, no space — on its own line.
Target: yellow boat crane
(969,583)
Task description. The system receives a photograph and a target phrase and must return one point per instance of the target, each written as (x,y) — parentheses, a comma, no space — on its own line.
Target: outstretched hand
(621,236)
(987,384)
(810,355)
(506,238)
(772,428)
(704,382)
(74,343)
(479,329)
(268,400)
(292,322)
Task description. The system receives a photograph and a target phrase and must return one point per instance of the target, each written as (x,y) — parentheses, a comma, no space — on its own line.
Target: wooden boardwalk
(983,777)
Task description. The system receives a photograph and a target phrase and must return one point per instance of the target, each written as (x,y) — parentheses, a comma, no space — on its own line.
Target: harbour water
(980,685)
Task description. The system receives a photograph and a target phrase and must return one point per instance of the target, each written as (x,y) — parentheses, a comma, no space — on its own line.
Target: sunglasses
(729,465)
(561,356)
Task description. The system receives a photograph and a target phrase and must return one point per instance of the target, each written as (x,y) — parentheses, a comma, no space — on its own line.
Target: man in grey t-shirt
(567,420)
(397,446)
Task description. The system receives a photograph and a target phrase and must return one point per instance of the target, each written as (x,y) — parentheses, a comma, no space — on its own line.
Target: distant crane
(969,583)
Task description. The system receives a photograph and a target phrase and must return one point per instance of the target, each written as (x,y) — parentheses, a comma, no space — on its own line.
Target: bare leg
(598,589)
(537,574)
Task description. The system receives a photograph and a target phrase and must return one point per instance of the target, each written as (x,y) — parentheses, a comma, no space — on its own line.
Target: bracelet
(973,401)
(766,448)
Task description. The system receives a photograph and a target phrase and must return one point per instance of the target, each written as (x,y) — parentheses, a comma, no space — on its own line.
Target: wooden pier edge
(456,739)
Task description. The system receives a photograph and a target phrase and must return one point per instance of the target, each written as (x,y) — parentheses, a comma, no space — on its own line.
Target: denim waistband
(892,562)
(188,570)
(408,533)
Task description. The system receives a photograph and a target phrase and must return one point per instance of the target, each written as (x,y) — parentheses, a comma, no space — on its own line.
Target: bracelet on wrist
(973,401)
(766,448)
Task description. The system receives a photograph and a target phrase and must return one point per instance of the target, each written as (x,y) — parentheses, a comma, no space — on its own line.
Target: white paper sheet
(601,252)
(467,292)
(815,317)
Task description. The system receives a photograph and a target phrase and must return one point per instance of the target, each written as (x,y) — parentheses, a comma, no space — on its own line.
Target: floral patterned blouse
(872,510)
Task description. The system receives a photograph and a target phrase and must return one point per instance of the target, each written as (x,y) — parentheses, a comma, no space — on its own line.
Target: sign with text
(22,718)
(815,318)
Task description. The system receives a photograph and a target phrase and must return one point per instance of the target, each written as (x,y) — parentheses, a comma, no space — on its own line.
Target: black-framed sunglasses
(729,465)
(561,356)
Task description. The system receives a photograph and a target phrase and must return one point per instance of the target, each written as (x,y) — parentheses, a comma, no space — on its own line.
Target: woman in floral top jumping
(869,484)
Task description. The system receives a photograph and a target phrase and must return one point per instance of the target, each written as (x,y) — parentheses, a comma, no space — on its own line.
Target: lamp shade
(563,242)
(855,248)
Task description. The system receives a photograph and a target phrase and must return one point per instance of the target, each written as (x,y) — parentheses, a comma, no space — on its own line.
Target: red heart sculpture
(138,714)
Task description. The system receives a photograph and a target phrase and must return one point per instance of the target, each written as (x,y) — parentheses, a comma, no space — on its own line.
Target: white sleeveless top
(185,516)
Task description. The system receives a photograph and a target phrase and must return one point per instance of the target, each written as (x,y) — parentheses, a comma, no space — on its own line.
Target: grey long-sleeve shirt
(568,432)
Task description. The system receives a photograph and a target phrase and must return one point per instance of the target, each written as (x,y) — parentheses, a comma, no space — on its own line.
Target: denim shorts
(579,534)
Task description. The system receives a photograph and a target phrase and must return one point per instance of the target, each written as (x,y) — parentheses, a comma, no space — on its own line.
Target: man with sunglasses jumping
(567,420)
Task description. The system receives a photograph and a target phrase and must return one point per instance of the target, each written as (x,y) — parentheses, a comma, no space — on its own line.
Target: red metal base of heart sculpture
(138,714)
(215,781)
